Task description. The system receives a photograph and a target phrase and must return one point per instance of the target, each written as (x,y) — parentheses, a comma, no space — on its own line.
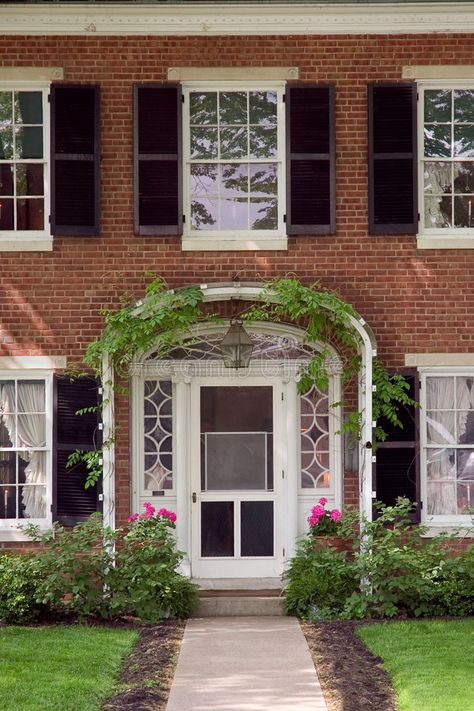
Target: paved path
(245,664)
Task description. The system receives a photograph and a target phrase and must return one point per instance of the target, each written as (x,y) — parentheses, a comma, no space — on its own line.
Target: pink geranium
(323,521)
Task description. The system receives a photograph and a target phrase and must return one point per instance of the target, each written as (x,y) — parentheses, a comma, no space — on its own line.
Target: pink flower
(170,515)
(318,511)
(335,515)
(149,509)
(132,518)
(323,501)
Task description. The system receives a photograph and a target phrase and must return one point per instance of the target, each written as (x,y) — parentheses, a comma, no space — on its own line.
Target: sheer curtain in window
(31,433)
(441,430)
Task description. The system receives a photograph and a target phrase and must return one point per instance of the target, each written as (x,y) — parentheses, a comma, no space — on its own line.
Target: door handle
(194,497)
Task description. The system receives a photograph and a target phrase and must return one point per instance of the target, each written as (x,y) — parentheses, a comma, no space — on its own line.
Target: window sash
(44,161)
(278,160)
(447,160)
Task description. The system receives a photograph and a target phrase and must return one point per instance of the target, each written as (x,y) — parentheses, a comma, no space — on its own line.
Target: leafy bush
(83,575)
(318,582)
(74,566)
(145,581)
(20,579)
(393,571)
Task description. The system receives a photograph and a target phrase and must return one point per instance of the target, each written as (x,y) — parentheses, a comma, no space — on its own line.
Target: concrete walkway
(245,664)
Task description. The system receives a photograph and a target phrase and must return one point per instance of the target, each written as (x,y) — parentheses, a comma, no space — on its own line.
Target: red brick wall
(414,301)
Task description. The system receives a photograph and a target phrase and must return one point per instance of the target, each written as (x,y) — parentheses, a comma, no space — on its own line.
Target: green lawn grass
(68,668)
(431,663)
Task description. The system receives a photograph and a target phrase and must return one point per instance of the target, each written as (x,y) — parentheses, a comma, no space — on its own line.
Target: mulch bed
(351,677)
(147,673)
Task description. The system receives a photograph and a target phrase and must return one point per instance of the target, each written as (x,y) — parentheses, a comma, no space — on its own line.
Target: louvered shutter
(311,176)
(393,203)
(73,503)
(75,159)
(157,159)
(396,470)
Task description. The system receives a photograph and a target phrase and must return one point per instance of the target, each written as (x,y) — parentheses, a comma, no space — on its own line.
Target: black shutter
(396,471)
(311,174)
(73,503)
(75,159)
(393,190)
(157,159)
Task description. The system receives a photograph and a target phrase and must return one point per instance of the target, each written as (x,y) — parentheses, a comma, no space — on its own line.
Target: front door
(236,478)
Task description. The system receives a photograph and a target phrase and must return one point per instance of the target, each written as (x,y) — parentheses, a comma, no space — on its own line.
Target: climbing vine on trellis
(164,318)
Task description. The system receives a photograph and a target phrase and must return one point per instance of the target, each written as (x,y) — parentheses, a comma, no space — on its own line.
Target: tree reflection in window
(233,171)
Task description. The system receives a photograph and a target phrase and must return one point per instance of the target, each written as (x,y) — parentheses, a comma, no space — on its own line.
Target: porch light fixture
(236,346)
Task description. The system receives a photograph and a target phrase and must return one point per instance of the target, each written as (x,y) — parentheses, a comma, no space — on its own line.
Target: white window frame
(32,240)
(443,520)
(9,528)
(440,237)
(235,239)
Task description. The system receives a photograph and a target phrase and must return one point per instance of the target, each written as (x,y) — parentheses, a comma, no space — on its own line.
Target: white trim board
(227,18)
(32,362)
(421,360)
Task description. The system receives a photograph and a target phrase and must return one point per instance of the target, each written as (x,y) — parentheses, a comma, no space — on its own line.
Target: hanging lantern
(236,346)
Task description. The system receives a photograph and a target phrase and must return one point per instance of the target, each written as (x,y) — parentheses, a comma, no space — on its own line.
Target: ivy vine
(163,319)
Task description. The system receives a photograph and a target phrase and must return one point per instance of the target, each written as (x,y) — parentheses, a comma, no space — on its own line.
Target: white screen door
(236,512)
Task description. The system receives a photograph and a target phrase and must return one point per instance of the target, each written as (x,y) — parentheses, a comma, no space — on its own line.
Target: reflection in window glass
(448,158)
(233,151)
(22,161)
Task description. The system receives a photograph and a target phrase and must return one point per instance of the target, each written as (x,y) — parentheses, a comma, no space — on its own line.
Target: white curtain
(30,434)
(441,430)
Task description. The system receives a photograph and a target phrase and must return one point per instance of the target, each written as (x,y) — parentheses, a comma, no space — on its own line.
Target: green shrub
(74,566)
(145,581)
(454,584)
(318,582)
(20,579)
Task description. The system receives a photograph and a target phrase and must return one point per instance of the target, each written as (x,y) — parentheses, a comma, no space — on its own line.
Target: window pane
(29,179)
(263,179)
(6,179)
(463,211)
(440,426)
(463,141)
(464,105)
(158,440)
(7,468)
(438,178)
(6,143)
(441,484)
(31,396)
(204,214)
(438,212)
(29,142)
(235,461)
(8,501)
(464,392)
(6,109)
(28,107)
(437,141)
(465,498)
(437,105)
(203,179)
(440,393)
(31,431)
(263,107)
(463,177)
(204,143)
(217,529)
(233,107)
(256,528)
(32,500)
(465,464)
(465,427)
(234,179)
(203,107)
(263,214)
(30,214)
(263,142)
(234,214)
(6,215)
(233,143)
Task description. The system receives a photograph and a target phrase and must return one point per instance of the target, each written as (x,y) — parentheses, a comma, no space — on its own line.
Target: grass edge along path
(430,662)
(61,668)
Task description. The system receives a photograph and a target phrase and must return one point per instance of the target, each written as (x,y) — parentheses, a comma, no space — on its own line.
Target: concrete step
(239,606)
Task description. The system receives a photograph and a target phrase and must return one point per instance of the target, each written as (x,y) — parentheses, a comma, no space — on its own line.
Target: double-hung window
(233,150)
(24,166)
(446,139)
(25,448)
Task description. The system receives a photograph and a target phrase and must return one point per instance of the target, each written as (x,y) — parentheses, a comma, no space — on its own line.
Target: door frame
(237,567)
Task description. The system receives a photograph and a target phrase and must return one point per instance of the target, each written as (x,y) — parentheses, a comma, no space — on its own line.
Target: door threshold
(238,583)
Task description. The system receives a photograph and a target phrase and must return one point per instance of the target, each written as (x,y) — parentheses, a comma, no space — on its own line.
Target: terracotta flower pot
(338,542)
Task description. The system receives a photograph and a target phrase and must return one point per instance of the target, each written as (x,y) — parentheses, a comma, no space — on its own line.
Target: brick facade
(415,301)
